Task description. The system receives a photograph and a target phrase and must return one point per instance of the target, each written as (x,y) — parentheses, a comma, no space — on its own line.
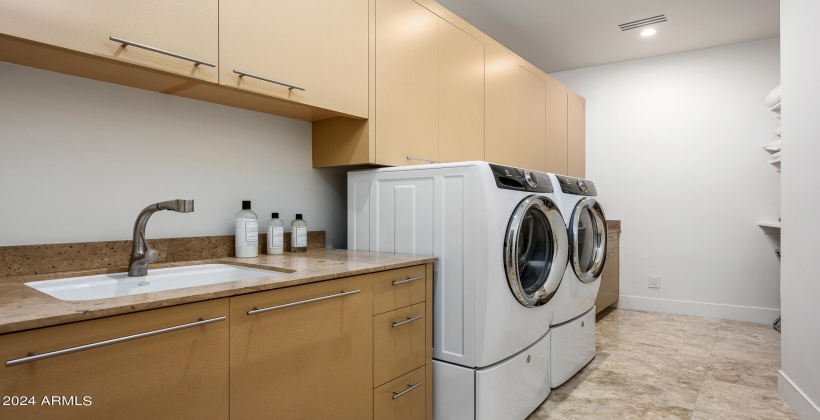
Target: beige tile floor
(662,366)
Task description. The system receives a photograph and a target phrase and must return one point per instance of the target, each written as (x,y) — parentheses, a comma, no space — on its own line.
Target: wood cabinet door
(319,45)
(406,83)
(576,135)
(183,27)
(501,140)
(556,157)
(610,281)
(309,360)
(174,374)
(461,95)
(531,121)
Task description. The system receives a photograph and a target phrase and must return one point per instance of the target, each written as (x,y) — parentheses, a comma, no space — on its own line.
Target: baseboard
(796,399)
(712,310)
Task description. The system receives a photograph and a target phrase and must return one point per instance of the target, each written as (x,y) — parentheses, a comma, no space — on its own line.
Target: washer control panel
(511,178)
(576,186)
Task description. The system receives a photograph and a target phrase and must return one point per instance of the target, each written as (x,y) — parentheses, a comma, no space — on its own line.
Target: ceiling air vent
(643,22)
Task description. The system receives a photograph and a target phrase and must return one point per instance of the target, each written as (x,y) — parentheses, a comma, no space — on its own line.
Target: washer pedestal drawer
(572,346)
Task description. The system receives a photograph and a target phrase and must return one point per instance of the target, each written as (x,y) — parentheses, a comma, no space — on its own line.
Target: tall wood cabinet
(501,105)
(531,121)
(576,135)
(557,126)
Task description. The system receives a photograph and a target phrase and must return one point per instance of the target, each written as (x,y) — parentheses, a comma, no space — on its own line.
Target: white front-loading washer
(502,250)
(572,341)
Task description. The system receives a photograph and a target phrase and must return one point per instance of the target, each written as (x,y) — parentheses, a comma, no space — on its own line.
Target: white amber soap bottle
(298,235)
(247,232)
(276,232)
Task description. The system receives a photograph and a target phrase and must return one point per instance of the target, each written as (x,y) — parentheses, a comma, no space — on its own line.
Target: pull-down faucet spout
(141,252)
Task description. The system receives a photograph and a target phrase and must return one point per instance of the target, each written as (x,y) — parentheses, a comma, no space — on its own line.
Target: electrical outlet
(654,282)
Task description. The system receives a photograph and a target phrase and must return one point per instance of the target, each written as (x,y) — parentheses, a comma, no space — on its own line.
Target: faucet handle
(151,255)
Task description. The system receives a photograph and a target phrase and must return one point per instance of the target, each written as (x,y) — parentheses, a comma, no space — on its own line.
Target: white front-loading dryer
(502,249)
(573,324)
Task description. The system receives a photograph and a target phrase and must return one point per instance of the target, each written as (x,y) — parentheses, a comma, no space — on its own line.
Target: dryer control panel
(577,186)
(510,178)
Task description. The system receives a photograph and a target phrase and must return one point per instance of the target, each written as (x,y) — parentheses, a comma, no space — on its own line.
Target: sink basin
(104,286)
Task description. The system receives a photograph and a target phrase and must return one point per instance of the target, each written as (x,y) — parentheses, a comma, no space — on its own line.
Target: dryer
(572,328)
(502,250)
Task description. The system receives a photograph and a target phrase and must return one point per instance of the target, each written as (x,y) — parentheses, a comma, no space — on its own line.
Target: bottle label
(299,237)
(275,236)
(247,232)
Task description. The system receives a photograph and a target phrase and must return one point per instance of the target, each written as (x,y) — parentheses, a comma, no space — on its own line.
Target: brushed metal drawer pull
(407,321)
(423,159)
(33,357)
(157,50)
(265,79)
(410,387)
(407,280)
(256,310)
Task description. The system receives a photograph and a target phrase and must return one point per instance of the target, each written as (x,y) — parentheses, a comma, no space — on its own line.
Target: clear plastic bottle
(298,235)
(246,231)
(276,232)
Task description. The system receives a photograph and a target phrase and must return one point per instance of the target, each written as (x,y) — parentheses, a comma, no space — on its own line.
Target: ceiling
(558,35)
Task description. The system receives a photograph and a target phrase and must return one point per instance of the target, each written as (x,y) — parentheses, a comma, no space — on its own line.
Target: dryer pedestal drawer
(572,346)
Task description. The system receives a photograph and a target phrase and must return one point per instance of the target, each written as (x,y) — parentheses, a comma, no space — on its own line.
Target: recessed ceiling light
(648,32)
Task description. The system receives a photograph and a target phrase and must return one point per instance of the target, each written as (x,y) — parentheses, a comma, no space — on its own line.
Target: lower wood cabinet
(180,373)
(610,278)
(351,348)
(309,355)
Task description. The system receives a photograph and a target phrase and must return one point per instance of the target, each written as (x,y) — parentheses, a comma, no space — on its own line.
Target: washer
(572,343)
(502,250)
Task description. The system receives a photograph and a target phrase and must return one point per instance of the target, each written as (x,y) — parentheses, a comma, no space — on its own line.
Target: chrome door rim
(599,249)
(560,250)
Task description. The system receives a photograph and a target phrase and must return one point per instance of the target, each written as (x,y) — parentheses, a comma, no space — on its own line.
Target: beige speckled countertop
(22,307)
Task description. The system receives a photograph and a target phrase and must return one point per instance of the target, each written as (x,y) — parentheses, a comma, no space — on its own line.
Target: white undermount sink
(103,286)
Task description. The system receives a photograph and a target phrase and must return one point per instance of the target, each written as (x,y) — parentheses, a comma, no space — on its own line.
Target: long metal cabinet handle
(407,280)
(397,394)
(301,302)
(423,159)
(288,85)
(125,42)
(407,321)
(35,357)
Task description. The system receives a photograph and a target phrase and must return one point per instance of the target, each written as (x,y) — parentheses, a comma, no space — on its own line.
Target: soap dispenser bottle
(298,238)
(275,235)
(247,232)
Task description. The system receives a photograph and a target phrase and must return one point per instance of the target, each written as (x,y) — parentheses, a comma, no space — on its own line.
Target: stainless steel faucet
(141,252)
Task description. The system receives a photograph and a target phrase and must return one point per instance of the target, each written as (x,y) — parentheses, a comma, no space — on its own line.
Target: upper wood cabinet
(556,158)
(501,105)
(460,95)
(321,46)
(576,135)
(181,373)
(531,121)
(406,95)
(186,28)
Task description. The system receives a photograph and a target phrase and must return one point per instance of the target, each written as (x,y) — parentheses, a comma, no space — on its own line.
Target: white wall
(674,146)
(80,158)
(799,383)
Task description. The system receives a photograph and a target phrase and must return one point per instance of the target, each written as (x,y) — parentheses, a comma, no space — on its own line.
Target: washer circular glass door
(588,240)
(536,249)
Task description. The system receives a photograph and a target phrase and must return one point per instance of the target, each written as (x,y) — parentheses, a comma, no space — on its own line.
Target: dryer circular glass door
(536,249)
(588,240)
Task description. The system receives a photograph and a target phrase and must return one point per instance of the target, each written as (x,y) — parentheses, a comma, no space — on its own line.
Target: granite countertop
(22,307)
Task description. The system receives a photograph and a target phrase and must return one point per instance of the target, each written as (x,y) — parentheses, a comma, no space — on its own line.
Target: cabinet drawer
(612,240)
(398,288)
(399,341)
(401,398)
(163,374)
